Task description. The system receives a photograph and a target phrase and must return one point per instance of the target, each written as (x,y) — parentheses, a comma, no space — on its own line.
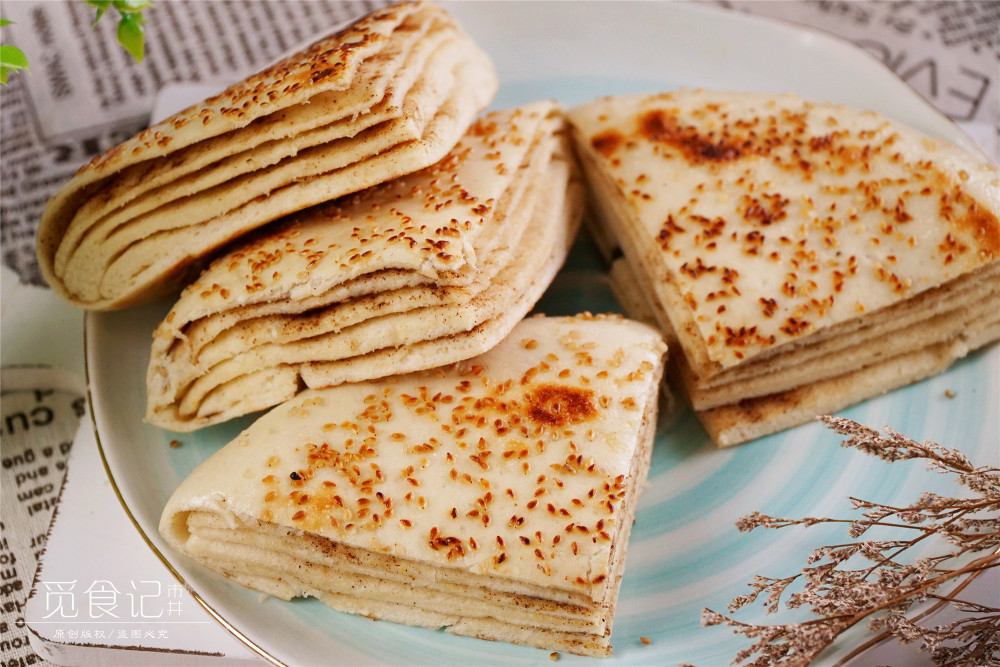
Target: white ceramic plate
(685,553)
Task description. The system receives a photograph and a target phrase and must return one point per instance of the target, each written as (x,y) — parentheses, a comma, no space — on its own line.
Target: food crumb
(175,443)
(554,656)
(645,640)
(949,393)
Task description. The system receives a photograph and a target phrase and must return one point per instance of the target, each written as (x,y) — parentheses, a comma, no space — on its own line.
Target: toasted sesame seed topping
(787,223)
(482,458)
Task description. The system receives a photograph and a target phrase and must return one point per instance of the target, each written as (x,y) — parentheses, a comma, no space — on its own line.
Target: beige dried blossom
(884,588)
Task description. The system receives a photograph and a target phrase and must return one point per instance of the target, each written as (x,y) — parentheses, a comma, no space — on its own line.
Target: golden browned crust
(381,98)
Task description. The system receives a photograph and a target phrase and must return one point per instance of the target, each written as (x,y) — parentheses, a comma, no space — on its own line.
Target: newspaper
(84,94)
(948,51)
(39,417)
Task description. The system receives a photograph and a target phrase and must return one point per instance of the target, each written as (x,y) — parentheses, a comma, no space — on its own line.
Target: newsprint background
(84,95)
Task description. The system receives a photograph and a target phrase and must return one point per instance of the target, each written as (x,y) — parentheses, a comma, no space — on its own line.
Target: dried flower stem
(886,589)
(941,602)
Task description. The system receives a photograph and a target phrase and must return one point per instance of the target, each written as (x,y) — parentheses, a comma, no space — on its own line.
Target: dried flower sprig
(868,580)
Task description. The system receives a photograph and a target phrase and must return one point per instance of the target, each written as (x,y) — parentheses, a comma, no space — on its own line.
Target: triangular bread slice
(415,273)
(386,96)
(493,497)
(783,243)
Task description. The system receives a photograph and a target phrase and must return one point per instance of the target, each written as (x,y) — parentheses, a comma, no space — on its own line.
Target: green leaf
(102,6)
(12,59)
(130,35)
(11,56)
(4,22)
(131,6)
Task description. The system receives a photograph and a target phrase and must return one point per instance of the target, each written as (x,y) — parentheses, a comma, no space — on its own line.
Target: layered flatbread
(386,96)
(804,256)
(415,273)
(492,498)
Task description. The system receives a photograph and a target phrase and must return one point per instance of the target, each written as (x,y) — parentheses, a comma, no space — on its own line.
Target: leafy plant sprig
(130,21)
(880,587)
(130,34)
(12,58)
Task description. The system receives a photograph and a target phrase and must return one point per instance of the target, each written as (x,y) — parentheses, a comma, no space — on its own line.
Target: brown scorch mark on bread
(557,405)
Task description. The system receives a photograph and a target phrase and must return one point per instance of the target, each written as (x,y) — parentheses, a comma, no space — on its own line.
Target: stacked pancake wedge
(803,256)
(386,96)
(493,497)
(418,272)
